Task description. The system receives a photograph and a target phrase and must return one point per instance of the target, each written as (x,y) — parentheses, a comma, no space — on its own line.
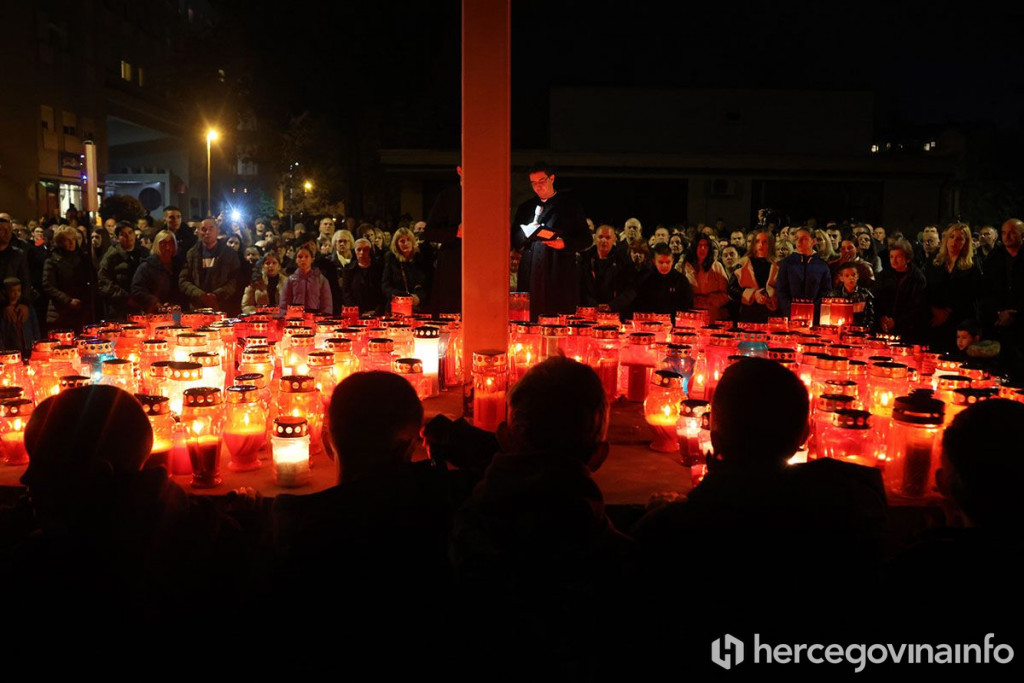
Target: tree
(309,159)
(122,207)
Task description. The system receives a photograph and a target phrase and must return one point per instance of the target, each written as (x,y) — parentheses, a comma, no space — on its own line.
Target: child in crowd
(972,348)
(19,326)
(863,300)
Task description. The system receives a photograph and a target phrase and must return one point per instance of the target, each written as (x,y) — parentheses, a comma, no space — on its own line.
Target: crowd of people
(922,287)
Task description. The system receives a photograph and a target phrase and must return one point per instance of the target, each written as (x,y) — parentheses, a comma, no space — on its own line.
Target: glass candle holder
(426,347)
(965,398)
(213,371)
(636,363)
(450,371)
(553,341)
(490,384)
(326,329)
(74,381)
(299,346)
(401,306)
(14,415)
(91,354)
(524,348)
(245,427)
(836,311)
(203,418)
(719,347)
(290,450)
(120,373)
(298,397)
(693,318)
(821,410)
(588,313)
(380,354)
(848,436)
(188,343)
(402,335)
(693,432)
(345,362)
(411,369)
(519,306)
(886,382)
(661,409)
(914,445)
(349,313)
(603,357)
(129,343)
(827,367)
(151,351)
(180,377)
(801,313)
(945,385)
(62,336)
(257,360)
(158,410)
(321,369)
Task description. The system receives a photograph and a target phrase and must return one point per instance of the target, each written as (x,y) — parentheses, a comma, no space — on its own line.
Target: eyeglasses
(542,181)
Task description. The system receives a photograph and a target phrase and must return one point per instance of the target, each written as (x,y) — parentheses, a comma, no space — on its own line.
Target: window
(140,75)
(126,71)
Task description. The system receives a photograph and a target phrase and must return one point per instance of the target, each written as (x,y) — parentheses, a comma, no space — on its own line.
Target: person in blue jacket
(803,275)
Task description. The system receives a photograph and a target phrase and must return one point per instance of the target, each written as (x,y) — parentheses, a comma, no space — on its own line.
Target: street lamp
(211,135)
(307,186)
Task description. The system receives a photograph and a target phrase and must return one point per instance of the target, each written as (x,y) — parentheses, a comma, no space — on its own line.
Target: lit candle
(290,447)
(245,428)
(14,414)
(490,382)
(661,409)
(203,417)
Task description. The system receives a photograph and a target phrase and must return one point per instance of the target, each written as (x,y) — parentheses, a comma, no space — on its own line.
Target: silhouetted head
(982,469)
(84,435)
(559,405)
(758,414)
(374,420)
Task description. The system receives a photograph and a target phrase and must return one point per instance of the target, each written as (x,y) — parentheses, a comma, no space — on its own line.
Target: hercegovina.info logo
(729,652)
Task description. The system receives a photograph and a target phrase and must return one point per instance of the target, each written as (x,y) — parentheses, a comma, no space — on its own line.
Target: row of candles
(210,384)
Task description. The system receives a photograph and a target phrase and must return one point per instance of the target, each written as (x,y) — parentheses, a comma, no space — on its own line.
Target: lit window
(126,71)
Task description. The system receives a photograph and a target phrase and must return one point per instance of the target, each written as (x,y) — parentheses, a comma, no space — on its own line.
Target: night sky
(928,63)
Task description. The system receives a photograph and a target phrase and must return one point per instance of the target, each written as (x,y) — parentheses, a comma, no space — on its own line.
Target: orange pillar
(486,162)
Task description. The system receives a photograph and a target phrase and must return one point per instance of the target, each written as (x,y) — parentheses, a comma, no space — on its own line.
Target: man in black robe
(549,229)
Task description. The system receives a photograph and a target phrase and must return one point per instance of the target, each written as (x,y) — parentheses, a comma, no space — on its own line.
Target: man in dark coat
(116,272)
(549,230)
(210,276)
(607,274)
(444,226)
(1003,300)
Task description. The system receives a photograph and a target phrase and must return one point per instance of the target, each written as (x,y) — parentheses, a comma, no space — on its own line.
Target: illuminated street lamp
(211,135)
(307,186)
